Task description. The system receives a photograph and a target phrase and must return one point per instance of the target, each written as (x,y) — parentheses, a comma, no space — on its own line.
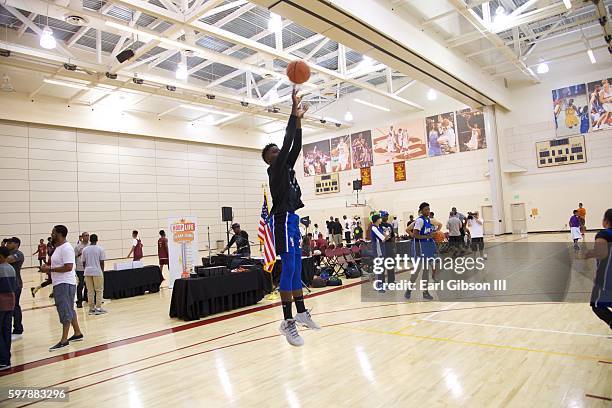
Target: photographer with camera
(476,231)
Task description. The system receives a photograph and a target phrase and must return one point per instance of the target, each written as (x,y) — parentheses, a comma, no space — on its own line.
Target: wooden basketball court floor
(368,354)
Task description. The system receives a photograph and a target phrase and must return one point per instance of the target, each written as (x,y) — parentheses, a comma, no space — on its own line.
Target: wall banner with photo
(340,153)
(569,104)
(361,149)
(470,130)
(317,158)
(441,135)
(366,176)
(599,94)
(397,142)
(399,171)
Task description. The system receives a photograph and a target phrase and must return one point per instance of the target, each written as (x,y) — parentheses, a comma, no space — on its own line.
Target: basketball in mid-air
(298,72)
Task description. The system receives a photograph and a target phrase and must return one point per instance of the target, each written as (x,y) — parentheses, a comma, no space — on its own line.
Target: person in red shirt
(136,247)
(42,252)
(162,250)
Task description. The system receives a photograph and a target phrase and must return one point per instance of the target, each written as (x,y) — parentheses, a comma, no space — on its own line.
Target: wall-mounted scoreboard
(557,152)
(327,183)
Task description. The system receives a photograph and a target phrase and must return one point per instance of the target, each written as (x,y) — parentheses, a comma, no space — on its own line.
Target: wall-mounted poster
(398,142)
(399,171)
(366,176)
(340,153)
(361,149)
(317,158)
(470,130)
(327,183)
(568,104)
(600,111)
(557,152)
(440,133)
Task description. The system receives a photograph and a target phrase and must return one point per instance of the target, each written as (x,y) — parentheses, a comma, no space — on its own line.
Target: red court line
(598,397)
(155,334)
(36,308)
(605,362)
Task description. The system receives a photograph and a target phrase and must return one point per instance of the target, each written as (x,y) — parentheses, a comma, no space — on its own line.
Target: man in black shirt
(284,222)
(389,244)
(241,239)
(337,232)
(16,260)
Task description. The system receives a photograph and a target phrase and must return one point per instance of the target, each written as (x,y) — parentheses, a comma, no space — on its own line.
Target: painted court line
(514,327)
(598,397)
(155,334)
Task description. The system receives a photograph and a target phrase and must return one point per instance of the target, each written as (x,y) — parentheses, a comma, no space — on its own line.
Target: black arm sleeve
(232,241)
(295,149)
(283,155)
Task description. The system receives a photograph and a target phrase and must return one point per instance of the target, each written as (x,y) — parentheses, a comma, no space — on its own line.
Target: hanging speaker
(125,55)
(226,214)
(356,185)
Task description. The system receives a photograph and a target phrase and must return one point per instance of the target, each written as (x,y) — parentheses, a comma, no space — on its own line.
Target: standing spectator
(42,252)
(337,232)
(390,251)
(50,249)
(4,242)
(574,224)
(136,247)
(358,232)
(475,225)
(162,250)
(346,228)
(316,231)
(395,224)
(463,219)
(378,237)
(582,216)
(330,229)
(93,260)
(64,285)
(8,286)
(80,269)
(454,226)
(16,259)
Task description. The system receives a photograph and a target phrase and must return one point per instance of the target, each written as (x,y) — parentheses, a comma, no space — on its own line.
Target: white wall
(110,184)
(554,191)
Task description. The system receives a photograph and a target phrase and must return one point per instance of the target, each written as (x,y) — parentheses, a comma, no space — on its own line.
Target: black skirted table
(132,282)
(193,298)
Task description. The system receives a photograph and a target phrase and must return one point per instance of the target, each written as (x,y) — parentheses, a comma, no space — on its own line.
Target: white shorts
(575,232)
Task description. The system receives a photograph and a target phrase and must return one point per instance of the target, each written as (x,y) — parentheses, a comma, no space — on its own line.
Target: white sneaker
(16,336)
(289,329)
(100,311)
(305,320)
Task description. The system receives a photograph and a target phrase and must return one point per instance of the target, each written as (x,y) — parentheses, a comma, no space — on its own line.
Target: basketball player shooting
(284,222)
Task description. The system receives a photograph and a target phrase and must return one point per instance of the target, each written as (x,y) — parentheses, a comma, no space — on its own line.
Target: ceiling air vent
(75,20)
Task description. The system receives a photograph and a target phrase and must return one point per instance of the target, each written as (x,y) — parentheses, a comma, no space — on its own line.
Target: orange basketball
(298,72)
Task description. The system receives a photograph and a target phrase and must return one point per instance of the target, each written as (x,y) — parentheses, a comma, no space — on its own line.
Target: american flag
(265,237)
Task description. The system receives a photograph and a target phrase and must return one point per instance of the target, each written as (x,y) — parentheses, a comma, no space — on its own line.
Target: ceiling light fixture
(348,116)
(542,68)
(181,69)
(275,24)
(65,83)
(500,11)
(372,105)
(47,40)
(432,95)
(568,4)
(591,56)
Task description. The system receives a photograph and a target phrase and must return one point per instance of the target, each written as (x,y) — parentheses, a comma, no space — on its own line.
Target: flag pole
(274,295)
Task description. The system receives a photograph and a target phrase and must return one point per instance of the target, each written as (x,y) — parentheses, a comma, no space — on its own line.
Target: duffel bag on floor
(318,282)
(334,281)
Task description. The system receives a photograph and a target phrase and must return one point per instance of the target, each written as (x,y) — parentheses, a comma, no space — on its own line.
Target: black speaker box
(356,185)
(226,214)
(125,55)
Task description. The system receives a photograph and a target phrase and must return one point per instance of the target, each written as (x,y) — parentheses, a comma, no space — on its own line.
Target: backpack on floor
(318,282)
(334,281)
(352,272)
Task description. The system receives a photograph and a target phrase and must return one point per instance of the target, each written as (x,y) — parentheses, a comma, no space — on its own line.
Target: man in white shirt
(64,285)
(476,228)
(93,260)
(346,228)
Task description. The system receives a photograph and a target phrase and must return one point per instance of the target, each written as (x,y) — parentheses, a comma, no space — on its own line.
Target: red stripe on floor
(163,332)
(598,397)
